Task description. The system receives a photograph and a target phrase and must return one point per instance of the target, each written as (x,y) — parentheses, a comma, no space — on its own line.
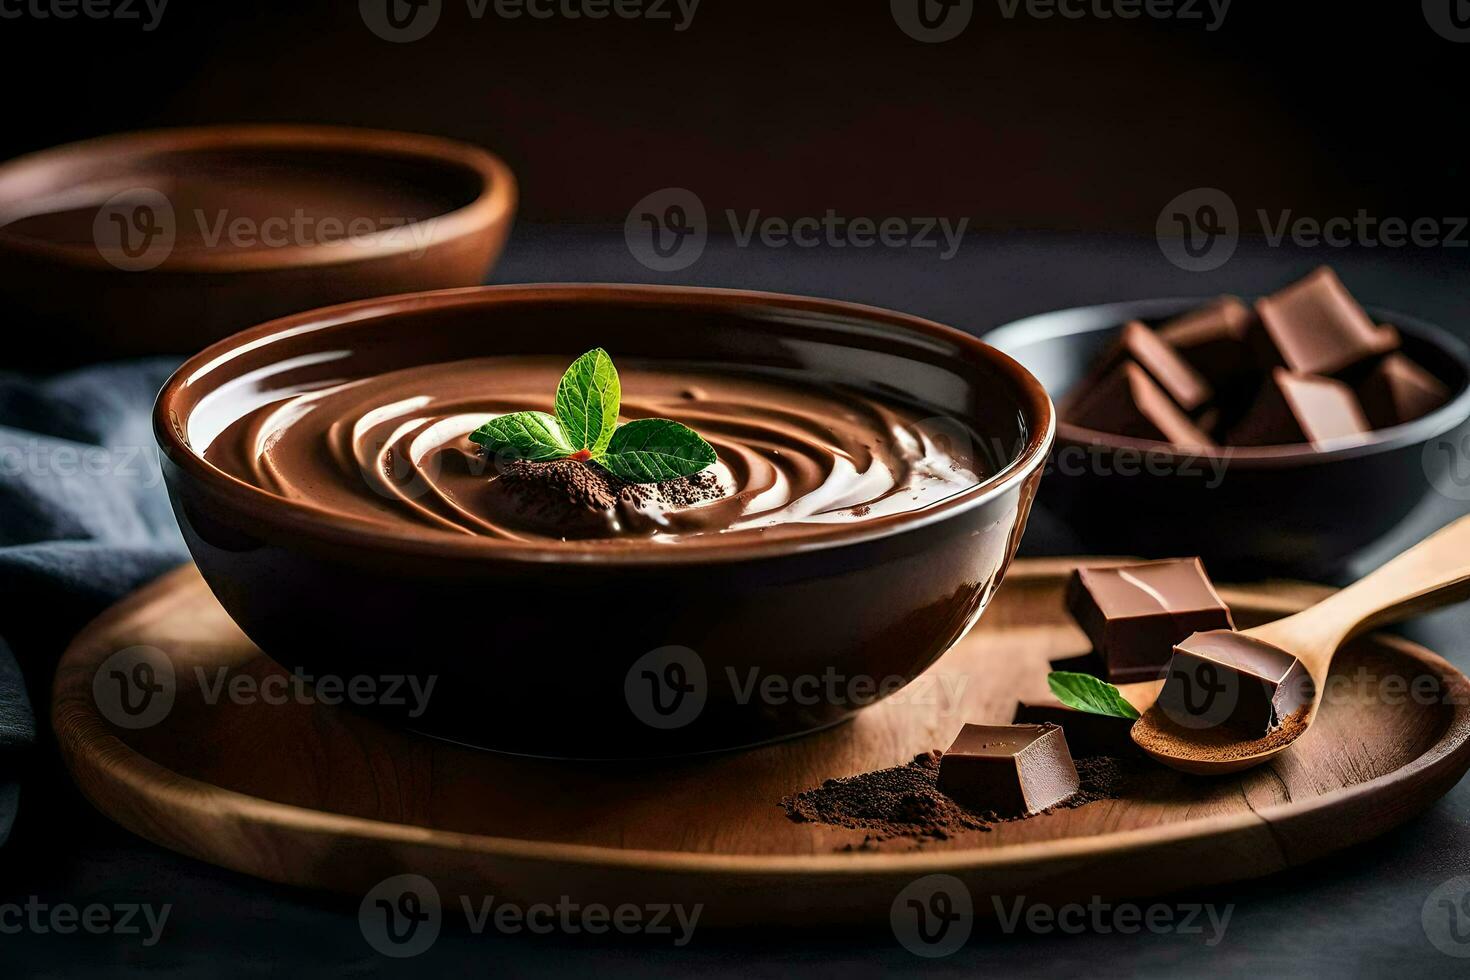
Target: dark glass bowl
(1248,511)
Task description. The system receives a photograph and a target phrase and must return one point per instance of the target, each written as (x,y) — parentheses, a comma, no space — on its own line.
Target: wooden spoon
(1433,573)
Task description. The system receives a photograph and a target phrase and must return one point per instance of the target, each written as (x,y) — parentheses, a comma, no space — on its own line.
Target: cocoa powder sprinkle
(905,801)
(1162,735)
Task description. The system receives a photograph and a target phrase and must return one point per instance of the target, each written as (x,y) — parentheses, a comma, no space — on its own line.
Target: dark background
(795,106)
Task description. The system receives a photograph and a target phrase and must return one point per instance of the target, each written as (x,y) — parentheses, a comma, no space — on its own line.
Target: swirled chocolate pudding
(498,447)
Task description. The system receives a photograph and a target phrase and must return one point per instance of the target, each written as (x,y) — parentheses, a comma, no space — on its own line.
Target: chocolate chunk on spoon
(1223,678)
(1433,573)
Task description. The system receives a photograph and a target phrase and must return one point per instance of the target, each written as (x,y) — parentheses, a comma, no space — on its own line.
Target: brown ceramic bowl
(551,652)
(163,242)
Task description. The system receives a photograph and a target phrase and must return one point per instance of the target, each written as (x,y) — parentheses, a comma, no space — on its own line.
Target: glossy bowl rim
(242,497)
(492,205)
(1055,324)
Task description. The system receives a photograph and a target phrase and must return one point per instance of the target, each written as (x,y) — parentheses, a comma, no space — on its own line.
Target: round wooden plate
(324,797)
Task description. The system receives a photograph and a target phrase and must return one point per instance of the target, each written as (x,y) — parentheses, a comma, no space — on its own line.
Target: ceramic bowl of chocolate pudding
(165,241)
(872,475)
(1248,510)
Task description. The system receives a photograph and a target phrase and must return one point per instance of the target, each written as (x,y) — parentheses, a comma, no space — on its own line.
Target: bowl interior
(1059,348)
(944,373)
(326,190)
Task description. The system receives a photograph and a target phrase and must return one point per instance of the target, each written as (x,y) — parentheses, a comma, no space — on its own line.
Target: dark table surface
(1357,913)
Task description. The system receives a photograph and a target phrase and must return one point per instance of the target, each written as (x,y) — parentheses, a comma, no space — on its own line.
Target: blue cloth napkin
(84,519)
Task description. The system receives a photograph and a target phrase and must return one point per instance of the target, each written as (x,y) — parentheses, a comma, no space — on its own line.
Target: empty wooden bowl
(167,241)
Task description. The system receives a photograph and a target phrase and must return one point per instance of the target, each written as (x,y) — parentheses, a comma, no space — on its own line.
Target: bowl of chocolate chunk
(1283,434)
(606,521)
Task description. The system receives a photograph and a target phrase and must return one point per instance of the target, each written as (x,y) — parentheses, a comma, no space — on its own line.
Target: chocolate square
(1214,339)
(1173,373)
(1301,408)
(1316,327)
(1134,614)
(1397,390)
(1221,678)
(1081,663)
(1014,770)
(1128,403)
(1087,734)
(1139,345)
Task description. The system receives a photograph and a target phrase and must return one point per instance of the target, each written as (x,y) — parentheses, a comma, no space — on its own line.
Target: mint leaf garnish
(586,428)
(587,401)
(1086,693)
(533,436)
(654,450)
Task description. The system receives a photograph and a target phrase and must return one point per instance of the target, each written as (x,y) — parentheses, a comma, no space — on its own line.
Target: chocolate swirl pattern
(792,460)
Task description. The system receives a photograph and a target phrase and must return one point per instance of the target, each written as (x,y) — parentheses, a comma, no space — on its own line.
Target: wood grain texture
(323,797)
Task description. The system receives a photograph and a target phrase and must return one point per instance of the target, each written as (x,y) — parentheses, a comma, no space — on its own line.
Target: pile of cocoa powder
(573,498)
(573,483)
(905,801)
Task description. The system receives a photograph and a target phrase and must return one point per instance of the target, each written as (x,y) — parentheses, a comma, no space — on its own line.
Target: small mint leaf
(587,401)
(654,450)
(533,436)
(1086,693)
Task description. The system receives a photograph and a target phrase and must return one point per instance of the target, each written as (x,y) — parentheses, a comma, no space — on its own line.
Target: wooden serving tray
(326,798)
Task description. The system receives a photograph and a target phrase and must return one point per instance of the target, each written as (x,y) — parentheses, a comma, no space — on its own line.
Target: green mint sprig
(1086,693)
(585,427)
